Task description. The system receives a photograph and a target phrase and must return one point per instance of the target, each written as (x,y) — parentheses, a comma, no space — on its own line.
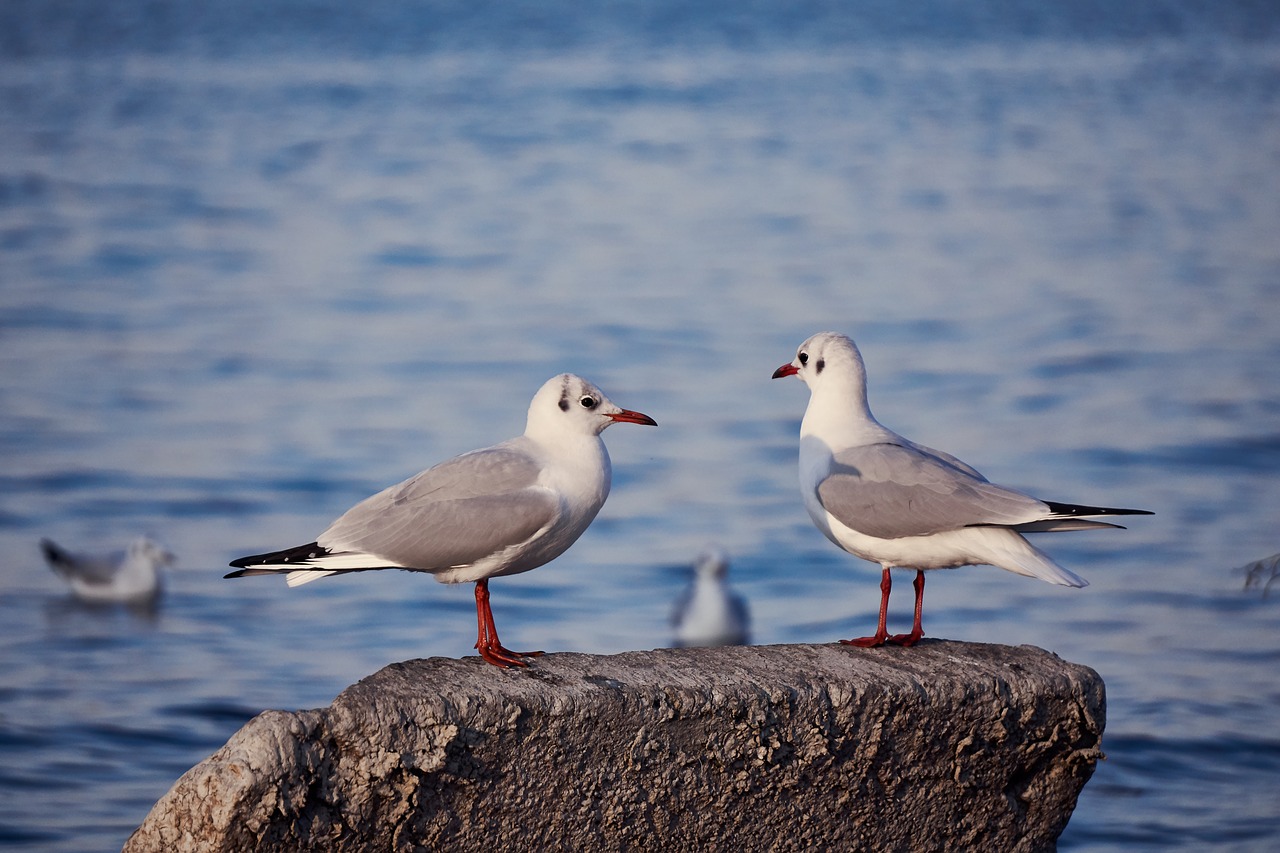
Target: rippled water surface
(247,279)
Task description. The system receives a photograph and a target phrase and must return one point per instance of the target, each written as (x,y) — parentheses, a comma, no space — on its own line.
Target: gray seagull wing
(92,569)
(892,490)
(453,514)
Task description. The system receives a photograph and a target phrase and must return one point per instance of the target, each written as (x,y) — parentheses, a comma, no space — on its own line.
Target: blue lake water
(259,261)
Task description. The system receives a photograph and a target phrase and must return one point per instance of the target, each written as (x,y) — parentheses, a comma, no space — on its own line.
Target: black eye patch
(821,364)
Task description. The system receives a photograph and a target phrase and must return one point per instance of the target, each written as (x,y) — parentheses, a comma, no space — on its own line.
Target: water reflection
(69,615)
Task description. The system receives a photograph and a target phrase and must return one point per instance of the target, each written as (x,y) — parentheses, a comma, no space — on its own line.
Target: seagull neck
(562,442)
(838,412)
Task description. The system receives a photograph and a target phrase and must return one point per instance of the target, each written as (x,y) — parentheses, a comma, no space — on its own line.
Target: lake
(259,261)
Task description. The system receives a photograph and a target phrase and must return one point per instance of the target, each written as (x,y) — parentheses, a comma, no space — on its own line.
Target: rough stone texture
(942,746)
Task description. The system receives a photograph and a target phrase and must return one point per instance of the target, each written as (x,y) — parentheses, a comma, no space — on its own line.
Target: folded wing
(455,514)
(892,491)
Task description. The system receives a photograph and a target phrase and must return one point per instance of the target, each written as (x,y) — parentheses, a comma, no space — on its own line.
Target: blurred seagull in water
(498,511)
(709,613)
(130,576)
(891,501)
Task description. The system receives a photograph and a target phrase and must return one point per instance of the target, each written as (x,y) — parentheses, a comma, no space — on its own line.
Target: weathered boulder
(942,746)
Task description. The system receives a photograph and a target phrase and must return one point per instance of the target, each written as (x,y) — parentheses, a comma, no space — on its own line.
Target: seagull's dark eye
(588,402)
(804,358)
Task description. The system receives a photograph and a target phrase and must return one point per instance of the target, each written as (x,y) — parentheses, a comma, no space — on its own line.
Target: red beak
(626,416)
(787,369)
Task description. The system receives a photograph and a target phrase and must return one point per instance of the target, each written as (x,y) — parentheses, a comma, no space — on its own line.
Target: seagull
(709,613)
(498,511)
(132,575)
(891,501)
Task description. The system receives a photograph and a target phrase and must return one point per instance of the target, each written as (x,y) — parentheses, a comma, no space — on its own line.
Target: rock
(944,745)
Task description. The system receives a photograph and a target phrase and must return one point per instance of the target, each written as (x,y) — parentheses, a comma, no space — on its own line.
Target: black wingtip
(51,551)
(299,554)
(239,574)
(1077,510)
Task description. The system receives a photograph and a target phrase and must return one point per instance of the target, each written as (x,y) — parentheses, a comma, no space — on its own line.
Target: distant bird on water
(128,576)
(498,511)
(709,613)
(891,501)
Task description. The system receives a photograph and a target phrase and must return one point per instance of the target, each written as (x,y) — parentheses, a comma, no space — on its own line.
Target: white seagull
(132,575)
(498,511)
(709,613)
(891,501)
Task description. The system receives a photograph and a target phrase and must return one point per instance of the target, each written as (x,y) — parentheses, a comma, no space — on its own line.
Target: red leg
(917,630)
(487,642)
(882,630)
(492,631)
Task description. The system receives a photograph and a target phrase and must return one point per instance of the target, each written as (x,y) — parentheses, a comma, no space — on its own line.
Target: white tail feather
(1053,573)
(1013,553)
(298,578)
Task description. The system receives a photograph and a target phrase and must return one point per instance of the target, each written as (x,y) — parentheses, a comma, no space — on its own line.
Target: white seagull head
(569,404)
(827,358)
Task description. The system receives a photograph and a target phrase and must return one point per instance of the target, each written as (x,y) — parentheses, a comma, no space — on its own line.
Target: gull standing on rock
(498,511)
(709,613)
(132,575)
(891,501)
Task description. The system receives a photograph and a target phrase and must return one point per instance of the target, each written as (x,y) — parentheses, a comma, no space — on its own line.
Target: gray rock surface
(942,746)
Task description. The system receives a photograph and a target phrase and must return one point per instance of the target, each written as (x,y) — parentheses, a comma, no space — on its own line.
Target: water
(254,267)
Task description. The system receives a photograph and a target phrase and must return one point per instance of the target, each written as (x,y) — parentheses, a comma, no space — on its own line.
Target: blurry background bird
(708,613)
(131,575)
